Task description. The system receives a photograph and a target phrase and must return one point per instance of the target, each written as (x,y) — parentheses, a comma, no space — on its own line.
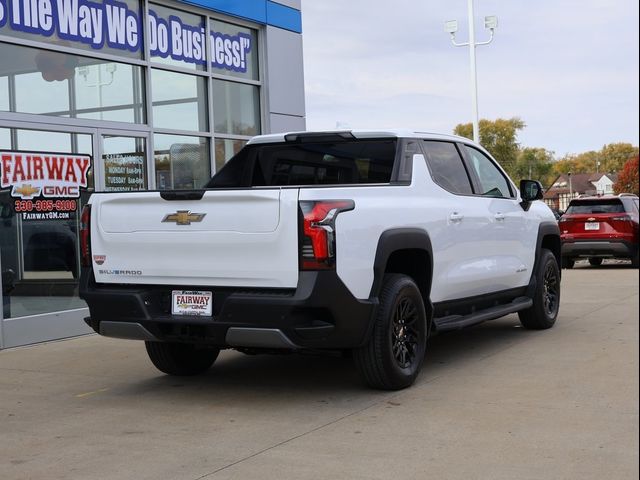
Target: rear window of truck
(311,163)
(595,206)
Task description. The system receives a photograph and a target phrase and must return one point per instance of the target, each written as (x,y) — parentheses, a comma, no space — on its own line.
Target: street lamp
(451,27)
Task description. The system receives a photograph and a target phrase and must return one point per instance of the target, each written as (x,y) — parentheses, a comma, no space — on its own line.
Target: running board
(456,322)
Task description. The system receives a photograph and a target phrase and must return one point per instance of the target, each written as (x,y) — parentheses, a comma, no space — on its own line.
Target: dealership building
(122,95)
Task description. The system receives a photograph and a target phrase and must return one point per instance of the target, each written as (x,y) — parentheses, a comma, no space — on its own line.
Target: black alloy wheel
(551,295)
(404,339)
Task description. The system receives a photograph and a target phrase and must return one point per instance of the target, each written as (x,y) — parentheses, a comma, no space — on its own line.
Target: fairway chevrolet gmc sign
(44,185)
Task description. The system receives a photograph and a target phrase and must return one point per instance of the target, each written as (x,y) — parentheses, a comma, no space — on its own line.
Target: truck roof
(361,134)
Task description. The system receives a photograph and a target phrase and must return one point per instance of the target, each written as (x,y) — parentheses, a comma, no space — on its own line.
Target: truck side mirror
(530,190)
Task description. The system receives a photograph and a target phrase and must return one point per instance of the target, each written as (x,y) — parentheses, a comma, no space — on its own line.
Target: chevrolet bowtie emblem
(184,217)
(26,190)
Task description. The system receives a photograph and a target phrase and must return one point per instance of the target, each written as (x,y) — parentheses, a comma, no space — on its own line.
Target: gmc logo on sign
(61,191)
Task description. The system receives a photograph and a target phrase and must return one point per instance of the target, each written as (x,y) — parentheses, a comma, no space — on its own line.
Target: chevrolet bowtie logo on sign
(25,191)
(184,217)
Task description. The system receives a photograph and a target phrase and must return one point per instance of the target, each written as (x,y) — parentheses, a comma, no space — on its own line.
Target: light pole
(451,27)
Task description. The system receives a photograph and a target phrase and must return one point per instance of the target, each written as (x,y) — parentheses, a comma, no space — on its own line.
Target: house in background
(565,187)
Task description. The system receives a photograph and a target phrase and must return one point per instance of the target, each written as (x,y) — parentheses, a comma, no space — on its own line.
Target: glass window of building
(181,162)
(234,50)
(236,108)
(177,38)
(119,33)
(225,149)
(52,83)
(179,101)
(125,163)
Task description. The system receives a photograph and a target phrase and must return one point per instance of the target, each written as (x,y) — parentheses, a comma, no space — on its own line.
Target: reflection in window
(225,149)
(248,66)
(492,181)
(97,35)
(188,49)
(179,101)
(181,162)
(447,168)
(65,85)
(236,108)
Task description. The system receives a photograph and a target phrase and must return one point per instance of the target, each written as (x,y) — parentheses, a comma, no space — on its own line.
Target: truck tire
(546,298)
(595,261)
(392,358)
(181,359)
(568,262)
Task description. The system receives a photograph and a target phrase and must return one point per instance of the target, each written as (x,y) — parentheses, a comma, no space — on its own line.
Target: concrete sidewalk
(493,402)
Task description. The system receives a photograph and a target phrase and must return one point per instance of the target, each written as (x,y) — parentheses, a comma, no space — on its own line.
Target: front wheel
(568,263)
(392,358)
(595,261)
(546,298)
(181,359)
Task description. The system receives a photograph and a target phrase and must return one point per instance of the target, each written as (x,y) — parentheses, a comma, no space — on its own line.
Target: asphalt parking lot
(493,402)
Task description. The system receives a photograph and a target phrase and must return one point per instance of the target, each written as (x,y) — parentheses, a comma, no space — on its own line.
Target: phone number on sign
(46,205)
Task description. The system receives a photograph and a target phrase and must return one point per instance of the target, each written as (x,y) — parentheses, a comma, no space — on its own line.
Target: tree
(628,180)
(614,156)
(535,164)
(610,159)
(499,137)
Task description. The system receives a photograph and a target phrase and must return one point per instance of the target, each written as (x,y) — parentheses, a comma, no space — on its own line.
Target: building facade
(566,187)
(122,95)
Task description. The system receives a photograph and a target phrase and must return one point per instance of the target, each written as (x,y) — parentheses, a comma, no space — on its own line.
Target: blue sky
(569,69)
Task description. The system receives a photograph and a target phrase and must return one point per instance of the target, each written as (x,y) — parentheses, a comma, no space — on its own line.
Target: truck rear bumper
(319,313)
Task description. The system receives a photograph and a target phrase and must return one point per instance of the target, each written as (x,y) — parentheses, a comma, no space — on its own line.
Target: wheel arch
(549,239)
(407,251)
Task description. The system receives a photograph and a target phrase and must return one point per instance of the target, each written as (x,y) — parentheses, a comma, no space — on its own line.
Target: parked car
(600,227)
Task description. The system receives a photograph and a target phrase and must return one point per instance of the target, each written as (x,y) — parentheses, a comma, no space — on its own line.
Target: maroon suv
(600,227)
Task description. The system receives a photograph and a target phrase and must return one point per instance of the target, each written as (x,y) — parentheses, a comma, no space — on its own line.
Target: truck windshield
(314,163)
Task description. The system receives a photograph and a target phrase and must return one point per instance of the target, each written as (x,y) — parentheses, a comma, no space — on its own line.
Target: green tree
(499,137)
(628,180)
(610,159)
(535,164)
(614,156)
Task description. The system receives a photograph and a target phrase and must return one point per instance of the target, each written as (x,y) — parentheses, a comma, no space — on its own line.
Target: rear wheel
(635,261)
(181,359)
(393,357)
(546,298)
(568,262)
(595,261)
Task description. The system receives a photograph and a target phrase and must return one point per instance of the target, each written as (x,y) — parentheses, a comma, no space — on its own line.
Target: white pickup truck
(362,241)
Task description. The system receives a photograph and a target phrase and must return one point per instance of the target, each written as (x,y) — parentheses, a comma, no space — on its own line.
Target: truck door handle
(499,216)
(455,217)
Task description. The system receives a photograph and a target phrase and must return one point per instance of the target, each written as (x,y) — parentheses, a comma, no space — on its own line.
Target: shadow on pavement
(293,378)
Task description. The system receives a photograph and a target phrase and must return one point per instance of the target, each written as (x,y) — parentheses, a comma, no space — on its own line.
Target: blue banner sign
(113,23)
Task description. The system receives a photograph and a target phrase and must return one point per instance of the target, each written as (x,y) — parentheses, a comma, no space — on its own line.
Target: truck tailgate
(235,238)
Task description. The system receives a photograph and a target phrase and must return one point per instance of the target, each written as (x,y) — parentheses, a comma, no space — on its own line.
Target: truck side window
(492,181)
(447,168)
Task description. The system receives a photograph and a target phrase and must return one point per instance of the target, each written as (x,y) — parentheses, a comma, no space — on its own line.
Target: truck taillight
(85,240)
(319,232)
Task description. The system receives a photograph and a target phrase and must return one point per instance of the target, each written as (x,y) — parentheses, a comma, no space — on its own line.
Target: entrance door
(47,177)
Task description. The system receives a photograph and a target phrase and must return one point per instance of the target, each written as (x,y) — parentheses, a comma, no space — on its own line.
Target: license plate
(592,226)
(191,302)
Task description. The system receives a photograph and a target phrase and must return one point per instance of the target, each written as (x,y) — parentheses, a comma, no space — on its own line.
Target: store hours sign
(114,24)
(44,186)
